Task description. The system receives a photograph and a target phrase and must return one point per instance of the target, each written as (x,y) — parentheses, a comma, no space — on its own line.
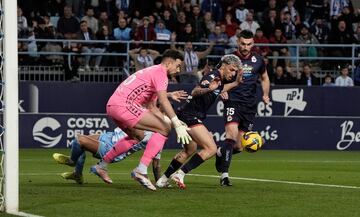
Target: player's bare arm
(165,104)
(235,83)
(265,84)
(198,90)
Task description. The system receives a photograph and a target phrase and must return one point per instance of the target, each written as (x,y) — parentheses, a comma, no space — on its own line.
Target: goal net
(9,129)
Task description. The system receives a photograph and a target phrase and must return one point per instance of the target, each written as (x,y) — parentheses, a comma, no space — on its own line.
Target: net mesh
(2,152)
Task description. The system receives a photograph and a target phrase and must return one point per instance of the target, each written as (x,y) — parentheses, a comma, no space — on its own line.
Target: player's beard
(244,52)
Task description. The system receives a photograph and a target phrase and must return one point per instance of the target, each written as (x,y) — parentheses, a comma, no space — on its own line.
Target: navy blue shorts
(235,112)
(189,119)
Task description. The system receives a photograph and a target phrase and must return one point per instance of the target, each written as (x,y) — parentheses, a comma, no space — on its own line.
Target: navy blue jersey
(245,93)
(199,105)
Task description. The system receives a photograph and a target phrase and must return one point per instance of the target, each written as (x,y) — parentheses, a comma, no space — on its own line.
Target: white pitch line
(237,178)
(282,182)
(58,173)
(24,214)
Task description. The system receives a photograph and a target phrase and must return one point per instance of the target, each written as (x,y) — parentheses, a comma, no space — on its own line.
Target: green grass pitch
(44,192)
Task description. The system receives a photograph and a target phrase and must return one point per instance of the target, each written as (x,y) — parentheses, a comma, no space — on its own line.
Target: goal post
(11,99)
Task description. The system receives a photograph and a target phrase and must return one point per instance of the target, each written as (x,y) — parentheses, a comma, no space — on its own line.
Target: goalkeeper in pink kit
(129,108)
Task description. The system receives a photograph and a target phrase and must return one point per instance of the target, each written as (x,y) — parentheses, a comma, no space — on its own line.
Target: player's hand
(215,83)
(182,134)
(181,131)
(239,76)
(266,99)
(224,95)
(178,95)
(183,123)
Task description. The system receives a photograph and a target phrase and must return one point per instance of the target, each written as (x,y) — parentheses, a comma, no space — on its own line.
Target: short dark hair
(247,34)
(173,54)
(344,66)
(328,76)
(307,64)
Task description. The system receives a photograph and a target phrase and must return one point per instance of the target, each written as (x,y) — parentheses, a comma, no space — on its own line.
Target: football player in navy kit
(193,112)
(240,104)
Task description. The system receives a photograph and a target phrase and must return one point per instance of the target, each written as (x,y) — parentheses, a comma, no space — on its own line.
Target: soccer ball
(252,141)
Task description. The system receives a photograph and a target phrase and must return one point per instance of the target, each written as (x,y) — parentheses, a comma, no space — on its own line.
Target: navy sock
(174,165)
(227,152)
(80,164)
(194,162)
(76,150)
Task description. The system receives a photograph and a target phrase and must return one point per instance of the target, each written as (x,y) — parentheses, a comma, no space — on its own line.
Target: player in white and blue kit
(99,145)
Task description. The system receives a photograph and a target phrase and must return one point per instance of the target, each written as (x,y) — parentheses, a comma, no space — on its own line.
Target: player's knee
(165,130)
(80,140)
(231,134)
(210,150)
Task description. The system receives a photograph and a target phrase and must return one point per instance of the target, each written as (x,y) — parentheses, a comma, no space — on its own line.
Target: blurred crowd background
(202,29)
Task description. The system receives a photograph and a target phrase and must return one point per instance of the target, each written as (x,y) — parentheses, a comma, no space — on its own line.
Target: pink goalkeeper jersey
(141,87)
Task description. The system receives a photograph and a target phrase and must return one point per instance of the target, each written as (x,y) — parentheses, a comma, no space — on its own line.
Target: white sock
(180,172)
(224,175)
(103,164)
(163,177)
(142,168)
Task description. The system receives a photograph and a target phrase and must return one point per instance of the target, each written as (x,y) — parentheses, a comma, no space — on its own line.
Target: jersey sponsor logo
(253,59)
(247,70)
(293,99)
(348,136)
(47,141)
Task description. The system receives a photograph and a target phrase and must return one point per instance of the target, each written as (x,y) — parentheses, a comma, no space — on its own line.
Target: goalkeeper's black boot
(225,182)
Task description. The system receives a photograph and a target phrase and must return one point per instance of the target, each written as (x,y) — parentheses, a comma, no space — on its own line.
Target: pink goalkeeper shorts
(126,116)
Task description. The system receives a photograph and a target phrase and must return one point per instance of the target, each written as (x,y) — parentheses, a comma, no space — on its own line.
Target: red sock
(121,146)
(154,146)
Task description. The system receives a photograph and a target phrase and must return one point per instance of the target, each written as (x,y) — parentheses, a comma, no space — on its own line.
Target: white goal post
(11,115)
